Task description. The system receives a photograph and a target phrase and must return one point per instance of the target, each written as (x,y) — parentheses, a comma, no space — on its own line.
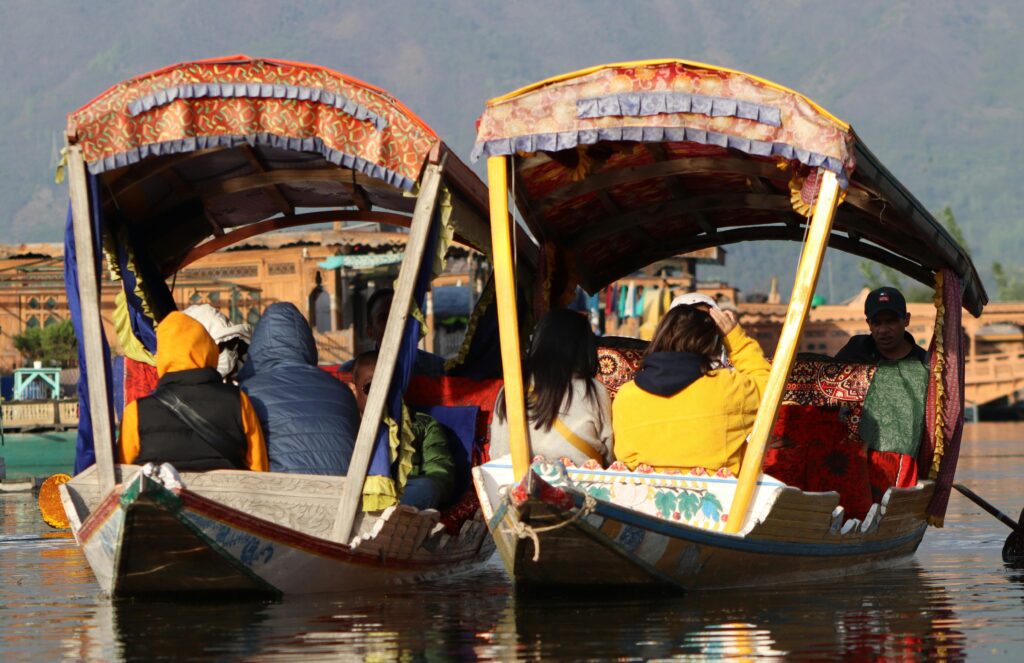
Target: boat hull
(147,538)
(560,535)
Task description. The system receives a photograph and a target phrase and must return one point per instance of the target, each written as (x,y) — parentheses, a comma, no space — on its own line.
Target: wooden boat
(172,165)
(615,167)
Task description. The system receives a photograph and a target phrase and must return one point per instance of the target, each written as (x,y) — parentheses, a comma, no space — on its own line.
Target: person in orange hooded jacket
(186,363)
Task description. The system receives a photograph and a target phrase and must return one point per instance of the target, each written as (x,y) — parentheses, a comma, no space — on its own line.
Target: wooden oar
(1013,549)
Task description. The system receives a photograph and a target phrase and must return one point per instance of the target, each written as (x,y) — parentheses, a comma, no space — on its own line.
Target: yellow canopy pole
(508,317)
(799,305)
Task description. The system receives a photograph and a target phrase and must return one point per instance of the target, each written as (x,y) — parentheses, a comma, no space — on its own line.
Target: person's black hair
(370,356)
(376,296)
(563,347)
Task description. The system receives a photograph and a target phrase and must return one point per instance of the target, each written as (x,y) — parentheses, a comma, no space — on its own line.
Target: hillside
(933,87)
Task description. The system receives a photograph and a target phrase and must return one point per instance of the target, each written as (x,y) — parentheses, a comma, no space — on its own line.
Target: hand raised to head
(726,320)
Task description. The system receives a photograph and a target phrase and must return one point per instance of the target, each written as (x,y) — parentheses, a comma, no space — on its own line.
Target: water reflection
(436,623)
(898,612)
(956,600)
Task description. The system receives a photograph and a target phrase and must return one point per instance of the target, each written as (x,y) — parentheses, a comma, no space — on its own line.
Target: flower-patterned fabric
(554,110)
(383,133)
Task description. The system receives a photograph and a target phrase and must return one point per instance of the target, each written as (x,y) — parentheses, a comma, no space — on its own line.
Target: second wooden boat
(619,166)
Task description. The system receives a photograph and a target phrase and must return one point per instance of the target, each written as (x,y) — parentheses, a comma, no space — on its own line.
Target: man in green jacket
(431,479)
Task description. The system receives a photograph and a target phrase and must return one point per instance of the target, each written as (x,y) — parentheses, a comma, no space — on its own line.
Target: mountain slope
(932,87)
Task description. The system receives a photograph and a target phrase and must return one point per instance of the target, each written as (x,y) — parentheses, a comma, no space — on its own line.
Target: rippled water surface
(955,600)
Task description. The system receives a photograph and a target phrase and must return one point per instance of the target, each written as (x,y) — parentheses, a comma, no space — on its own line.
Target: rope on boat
(524,531)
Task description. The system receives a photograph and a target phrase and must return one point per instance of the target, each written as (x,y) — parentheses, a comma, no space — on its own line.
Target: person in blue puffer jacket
(309,418)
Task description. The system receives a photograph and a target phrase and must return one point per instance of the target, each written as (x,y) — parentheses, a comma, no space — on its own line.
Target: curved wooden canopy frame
(279,223)
(918,272)
(880,219)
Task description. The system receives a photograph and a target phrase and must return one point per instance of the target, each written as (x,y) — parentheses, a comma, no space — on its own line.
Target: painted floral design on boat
(694,498)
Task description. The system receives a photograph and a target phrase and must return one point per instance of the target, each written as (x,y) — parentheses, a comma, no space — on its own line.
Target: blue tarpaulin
(380,463)
(85,454)
(452,300)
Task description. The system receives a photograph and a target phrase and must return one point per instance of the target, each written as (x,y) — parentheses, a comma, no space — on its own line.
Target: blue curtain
(142,324)
(380,463)
(85,454)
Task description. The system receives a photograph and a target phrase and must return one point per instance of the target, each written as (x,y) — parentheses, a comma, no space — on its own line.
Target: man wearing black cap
(887,317)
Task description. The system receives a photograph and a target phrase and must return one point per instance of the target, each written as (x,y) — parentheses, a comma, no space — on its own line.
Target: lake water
(38,454)
(955,600)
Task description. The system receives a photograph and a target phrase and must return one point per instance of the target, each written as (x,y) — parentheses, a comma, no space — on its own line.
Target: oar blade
(1013,549)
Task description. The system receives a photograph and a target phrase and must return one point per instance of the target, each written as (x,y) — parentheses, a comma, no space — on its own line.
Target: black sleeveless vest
(164,438)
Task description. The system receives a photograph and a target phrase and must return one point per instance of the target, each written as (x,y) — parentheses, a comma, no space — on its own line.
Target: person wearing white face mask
(232,340)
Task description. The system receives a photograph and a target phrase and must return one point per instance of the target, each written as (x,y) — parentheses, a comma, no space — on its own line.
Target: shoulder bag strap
(575,440)
(207,432)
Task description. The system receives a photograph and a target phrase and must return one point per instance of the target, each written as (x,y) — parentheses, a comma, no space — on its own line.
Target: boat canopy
(199,155)
(172,165)
(620,165)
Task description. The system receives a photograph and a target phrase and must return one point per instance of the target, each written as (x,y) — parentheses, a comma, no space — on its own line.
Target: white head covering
(692,298)
(221,329)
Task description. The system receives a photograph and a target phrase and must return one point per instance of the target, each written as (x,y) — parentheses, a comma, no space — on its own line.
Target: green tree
(51,345)
(1009,282)
(949,220)
(876,276)
(1000,277)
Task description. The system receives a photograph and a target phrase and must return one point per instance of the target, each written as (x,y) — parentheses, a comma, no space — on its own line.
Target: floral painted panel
(698,498)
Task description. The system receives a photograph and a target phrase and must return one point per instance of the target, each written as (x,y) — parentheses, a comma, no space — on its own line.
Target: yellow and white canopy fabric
(621,165)
(664,101)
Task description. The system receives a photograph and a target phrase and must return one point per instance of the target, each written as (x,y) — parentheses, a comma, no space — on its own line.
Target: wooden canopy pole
(799,305)
(508,318)
(419,233)
(92,327)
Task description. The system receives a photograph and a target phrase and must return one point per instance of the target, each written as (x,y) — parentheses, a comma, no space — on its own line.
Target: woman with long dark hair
(568,410)
(684,409)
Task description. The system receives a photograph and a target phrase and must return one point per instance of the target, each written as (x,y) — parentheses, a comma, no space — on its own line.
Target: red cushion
(888,469)
(811,450)
(425,390)
(140,379)
(448,390)
(616,367)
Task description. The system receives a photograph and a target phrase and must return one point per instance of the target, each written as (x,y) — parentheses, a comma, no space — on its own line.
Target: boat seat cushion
(819,392)
(889,469)
(811,449)
(617,365)
(459,424)
(453,400)
(460,394)
(828,383)
(132,380)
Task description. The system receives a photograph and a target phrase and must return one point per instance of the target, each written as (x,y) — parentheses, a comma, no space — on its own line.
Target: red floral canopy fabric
(220,102)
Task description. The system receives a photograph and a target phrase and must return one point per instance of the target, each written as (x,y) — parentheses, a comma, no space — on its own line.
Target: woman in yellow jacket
(684,409)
